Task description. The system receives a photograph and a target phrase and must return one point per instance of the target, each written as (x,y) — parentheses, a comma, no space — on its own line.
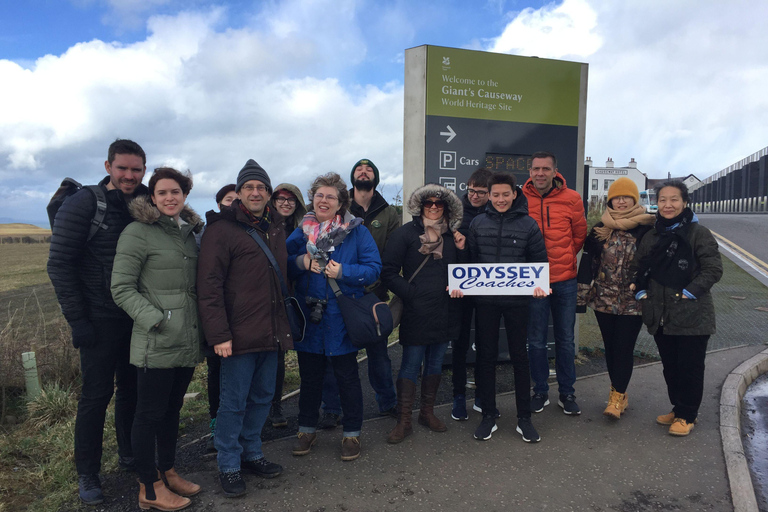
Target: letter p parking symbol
(448,160)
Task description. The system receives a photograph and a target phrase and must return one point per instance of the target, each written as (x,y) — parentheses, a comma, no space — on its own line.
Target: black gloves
(83,334)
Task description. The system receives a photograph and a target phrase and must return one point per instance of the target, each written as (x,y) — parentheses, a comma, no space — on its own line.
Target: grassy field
(23,230)
(22,265)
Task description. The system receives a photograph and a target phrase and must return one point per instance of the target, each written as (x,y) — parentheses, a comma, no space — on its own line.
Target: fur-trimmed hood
(142,210)
(453,212)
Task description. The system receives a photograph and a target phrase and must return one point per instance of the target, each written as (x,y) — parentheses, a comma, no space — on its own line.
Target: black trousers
(487,343)
(214,384)
(683,361)
(619,338)
(312,372)
(280,377)
(105,371)
(460,346)
(159,400)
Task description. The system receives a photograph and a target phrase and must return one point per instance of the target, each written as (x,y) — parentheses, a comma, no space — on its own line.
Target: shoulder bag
(396,304)
(296,317)
(368,319)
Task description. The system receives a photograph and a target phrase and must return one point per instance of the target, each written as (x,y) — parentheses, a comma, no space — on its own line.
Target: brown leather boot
(429,385)
(406,394)
(165,499)
(617,404)
(177,484)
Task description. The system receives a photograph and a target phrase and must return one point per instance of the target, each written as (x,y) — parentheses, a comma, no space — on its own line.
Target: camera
(316,308)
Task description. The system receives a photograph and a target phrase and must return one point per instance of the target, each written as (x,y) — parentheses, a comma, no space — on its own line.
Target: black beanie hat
(253,171)
(365,161)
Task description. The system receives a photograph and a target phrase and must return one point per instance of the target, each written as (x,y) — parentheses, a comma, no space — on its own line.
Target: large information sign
(466,109)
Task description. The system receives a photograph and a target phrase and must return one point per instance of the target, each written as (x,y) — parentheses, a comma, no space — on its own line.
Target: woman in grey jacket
(678,263)
(153,280)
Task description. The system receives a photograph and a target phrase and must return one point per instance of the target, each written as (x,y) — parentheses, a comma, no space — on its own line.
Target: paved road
(749,231)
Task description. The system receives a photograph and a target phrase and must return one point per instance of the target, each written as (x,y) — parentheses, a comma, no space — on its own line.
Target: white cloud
(554,31)
(678,86)
(198,98)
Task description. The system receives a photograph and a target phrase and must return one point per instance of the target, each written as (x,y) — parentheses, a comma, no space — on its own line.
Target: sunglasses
(434,204)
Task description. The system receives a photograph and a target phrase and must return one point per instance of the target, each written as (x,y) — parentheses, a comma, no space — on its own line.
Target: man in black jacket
(474,202)
(504,234)
(81,271)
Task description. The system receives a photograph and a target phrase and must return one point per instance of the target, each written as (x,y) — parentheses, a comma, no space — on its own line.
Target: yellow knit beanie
(623,187)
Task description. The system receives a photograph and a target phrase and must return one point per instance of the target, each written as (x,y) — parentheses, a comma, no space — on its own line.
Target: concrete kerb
(734,387)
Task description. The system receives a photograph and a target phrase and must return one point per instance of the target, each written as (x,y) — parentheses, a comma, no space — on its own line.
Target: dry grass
(23,230)
(23,265)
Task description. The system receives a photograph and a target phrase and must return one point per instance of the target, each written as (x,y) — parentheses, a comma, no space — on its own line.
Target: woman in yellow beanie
(603,284)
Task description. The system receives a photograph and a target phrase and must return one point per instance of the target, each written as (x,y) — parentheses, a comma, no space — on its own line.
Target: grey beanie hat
(253,171)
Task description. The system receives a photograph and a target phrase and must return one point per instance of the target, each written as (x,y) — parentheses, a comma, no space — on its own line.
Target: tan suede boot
(406,394)
(429,385)
(165,499)
(178,484)
(617,404)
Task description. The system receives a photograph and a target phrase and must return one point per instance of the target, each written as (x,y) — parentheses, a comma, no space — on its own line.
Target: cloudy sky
(310,86)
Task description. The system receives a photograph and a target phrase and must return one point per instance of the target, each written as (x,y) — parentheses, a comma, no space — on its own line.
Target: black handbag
(368,319)
(296,319)
(396,303)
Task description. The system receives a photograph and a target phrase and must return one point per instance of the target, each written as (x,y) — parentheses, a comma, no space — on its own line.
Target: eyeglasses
(250,188)
(478,193)
(434,204)
(320,197)
(283,200)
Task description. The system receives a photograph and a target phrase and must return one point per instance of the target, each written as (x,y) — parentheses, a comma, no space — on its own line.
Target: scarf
(432,239)
(623,221)
(262,222)
(324,237)
(670,260)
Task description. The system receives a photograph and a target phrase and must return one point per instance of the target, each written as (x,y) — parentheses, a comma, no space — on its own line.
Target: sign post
(466,109)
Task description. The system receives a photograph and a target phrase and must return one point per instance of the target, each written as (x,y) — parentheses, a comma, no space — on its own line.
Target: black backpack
(68,188)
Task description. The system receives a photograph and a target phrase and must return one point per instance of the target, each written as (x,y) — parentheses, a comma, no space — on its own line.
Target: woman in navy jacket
(330,243)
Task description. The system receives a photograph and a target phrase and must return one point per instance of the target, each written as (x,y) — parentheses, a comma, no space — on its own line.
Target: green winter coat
(154,281)
(666,306)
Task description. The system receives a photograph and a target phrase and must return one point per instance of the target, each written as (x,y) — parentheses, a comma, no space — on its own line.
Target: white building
(599,179)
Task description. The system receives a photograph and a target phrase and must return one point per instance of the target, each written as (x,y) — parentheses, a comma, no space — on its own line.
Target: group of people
(156,289)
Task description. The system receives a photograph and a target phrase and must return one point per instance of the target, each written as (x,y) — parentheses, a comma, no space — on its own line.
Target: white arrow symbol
(450,133)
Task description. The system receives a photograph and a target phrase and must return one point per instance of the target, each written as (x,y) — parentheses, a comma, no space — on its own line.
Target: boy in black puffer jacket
(504,234)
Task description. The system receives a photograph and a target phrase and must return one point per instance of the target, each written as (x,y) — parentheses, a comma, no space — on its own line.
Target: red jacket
(560,216)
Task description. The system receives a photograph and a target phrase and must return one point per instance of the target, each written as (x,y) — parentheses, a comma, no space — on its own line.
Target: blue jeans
(562,303)
(413,355)
(312,370)
(331,400)
(379,376)
(247,386)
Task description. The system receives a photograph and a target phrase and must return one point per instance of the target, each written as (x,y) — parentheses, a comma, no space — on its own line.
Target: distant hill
(18,229)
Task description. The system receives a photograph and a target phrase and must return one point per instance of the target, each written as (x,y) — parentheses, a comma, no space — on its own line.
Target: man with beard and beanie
(381,219)
(80,269)
(244,320)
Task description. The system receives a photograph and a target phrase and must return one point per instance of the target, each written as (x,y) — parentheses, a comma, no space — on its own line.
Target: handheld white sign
(498,278)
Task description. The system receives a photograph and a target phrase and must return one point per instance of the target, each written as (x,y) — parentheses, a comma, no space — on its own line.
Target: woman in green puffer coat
(154,280)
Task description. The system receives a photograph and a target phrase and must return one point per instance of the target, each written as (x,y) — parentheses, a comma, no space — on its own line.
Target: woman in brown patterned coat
(604,281)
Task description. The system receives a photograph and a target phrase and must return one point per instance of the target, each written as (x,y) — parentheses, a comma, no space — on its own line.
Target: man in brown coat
(244,320)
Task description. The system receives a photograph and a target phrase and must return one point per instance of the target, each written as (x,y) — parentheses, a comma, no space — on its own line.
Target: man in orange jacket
(559,212)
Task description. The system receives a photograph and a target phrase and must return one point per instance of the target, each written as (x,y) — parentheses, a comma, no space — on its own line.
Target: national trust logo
(446,63)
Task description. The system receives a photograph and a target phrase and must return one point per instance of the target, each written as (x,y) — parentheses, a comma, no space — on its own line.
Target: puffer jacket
(81,270)
(301,207)
(429,314)
(666,306)
(360,266)
(560,216)
(508,237)
(238,293)
(470,212)
(604,272)
(153,280)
